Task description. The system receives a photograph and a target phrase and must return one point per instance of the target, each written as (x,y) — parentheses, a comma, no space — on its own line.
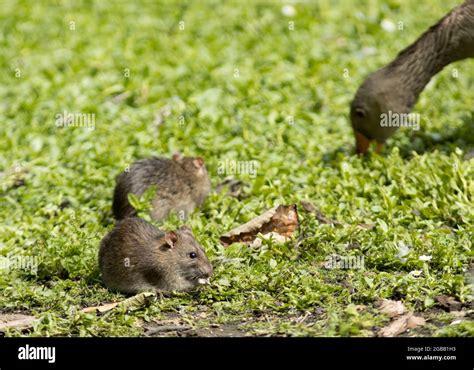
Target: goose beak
(378,147)
(363,144)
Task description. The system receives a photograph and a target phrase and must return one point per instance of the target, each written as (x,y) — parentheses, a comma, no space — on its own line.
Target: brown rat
(136,256)
(182,184)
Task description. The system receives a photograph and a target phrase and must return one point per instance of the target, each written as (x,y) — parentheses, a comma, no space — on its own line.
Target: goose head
(381,94)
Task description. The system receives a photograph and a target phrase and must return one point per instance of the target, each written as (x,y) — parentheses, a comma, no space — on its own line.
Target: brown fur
(135,256)
(182,185)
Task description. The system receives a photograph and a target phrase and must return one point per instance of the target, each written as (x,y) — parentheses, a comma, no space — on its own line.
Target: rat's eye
(192,255)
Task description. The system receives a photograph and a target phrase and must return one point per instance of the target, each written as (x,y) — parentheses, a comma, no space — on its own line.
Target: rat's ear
(170,239)
(177,157)
(198,162)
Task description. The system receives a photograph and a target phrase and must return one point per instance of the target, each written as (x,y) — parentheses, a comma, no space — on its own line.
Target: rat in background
(136,256)
(182,185)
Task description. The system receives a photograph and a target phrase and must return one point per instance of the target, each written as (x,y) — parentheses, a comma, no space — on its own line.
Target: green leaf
(134,201)
(383,225)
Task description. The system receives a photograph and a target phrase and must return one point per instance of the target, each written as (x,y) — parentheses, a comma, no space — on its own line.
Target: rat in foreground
(393,90)
(182,184)
(135,256)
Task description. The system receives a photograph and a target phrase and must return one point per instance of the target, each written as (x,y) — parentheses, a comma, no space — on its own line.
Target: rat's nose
(207,272)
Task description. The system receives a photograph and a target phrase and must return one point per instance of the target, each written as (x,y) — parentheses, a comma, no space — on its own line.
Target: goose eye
(192,255)
(360,113)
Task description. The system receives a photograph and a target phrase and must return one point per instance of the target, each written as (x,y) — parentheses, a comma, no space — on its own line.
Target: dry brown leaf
(392,308)
(282,220)
(401,325)
(415,321)
(132,303)
(103,308)
(16,321)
